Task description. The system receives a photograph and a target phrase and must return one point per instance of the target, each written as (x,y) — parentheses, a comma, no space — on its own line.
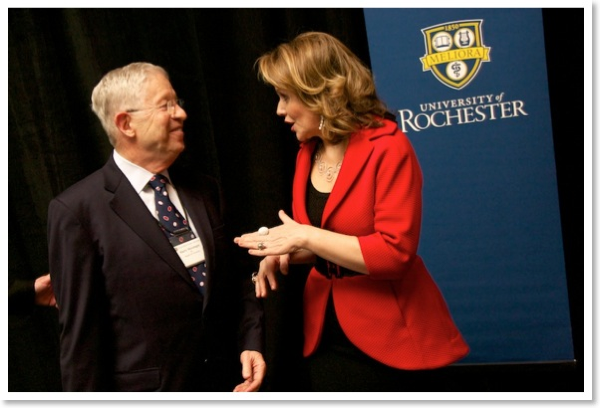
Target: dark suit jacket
(131,318)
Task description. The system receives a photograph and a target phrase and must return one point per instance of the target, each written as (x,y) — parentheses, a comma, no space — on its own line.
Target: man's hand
(253,371)
(44,295)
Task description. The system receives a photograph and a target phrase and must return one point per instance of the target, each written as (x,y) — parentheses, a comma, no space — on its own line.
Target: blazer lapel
(358,152)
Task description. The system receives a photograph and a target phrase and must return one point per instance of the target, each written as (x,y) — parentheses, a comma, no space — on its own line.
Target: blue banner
(469,88)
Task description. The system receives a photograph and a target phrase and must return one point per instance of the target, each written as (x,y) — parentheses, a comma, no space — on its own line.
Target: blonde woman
(374,319)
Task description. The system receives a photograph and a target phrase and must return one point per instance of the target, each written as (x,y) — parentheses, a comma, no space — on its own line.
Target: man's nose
(179,112)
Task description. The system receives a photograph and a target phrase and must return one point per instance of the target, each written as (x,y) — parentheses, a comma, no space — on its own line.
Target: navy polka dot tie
(171,220)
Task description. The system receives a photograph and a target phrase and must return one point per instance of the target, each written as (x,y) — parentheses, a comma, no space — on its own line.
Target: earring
(321,123)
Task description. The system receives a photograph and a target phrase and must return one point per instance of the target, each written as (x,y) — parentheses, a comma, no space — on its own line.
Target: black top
(332,333)
(315,204)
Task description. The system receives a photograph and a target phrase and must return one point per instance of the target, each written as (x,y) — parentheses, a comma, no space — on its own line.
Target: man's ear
(122,121)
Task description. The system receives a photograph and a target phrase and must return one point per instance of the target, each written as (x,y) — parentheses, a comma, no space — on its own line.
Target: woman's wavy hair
(329,79)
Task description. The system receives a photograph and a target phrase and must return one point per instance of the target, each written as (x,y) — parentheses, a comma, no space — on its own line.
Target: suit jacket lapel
(129,207)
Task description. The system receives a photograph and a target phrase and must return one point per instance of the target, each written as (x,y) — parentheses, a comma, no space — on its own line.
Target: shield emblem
(455,52)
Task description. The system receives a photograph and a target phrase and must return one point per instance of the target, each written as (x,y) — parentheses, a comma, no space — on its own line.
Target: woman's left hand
(286,238)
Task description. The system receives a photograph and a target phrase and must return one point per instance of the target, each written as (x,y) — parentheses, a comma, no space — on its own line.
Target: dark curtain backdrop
(55,58)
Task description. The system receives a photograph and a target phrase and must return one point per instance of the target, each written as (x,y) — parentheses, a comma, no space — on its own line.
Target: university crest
(455,52)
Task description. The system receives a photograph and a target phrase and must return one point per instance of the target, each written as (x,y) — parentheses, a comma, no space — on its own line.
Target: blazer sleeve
(392,248)
(75,273)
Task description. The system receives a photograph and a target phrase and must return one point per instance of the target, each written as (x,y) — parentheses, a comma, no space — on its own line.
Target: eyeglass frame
(169,106)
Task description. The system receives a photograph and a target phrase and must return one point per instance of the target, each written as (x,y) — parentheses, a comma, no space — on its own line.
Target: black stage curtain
(56,56)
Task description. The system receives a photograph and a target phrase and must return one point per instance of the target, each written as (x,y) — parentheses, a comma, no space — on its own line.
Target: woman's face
(305,123)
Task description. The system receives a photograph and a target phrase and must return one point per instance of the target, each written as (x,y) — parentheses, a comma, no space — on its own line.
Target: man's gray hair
(119,90)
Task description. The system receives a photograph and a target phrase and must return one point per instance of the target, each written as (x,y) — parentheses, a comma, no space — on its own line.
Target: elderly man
(148,297)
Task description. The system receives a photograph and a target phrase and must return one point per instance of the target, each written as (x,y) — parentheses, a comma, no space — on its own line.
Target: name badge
(188,247)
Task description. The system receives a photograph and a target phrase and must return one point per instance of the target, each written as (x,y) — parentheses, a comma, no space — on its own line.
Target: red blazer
(395,314)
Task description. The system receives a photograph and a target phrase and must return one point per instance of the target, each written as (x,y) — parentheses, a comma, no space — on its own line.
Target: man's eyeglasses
(168,107)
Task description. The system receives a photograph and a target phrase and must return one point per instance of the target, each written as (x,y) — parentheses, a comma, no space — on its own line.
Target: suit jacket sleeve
(251,325)
(251,336)
(232,284)
(76,278)
(21,296)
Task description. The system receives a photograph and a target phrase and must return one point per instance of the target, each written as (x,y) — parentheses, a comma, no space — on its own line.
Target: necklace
(326,170)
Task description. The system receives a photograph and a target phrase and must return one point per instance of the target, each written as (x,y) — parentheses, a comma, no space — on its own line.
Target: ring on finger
(254,277)
(261,246)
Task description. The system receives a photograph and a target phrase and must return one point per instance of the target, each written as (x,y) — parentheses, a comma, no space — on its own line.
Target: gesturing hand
(286,238)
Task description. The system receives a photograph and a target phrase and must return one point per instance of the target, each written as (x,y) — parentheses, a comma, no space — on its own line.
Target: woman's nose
(280,109)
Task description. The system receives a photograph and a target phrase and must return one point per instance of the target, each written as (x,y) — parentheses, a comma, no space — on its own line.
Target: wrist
(308,237)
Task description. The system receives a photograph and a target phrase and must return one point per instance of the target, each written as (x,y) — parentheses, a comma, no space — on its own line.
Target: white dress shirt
(139,178)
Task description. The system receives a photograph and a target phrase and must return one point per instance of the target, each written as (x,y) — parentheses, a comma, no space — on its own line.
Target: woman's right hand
(266,277)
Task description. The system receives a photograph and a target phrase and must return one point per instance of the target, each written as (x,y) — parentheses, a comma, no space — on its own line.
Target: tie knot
(158,181)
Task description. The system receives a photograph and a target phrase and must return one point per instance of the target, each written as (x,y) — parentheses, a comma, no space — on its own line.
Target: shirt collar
(137,176)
